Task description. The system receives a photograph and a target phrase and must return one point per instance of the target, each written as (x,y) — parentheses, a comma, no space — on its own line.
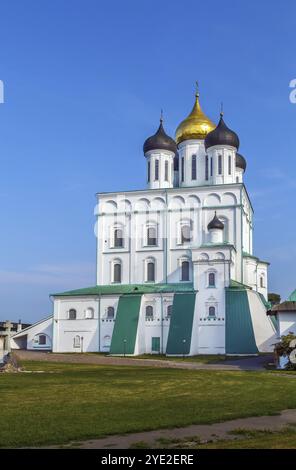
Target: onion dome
(160,141)
(195,126)
(215,223)
(222,135)
(240,162)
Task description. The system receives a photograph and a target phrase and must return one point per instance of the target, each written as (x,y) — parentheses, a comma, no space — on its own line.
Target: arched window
(166,171)
(212,280)
(151,236)
(212,312)
(76,341)
(89,313)
(261,281)
(72,314)
(150,271)
(182,169)
(193,167)
(107,341)
(117,272)
(110,313)
(185,233)
(148,171)
(118,238)
(156,175)
(42,340)
(229,164)
(149,312)
(207,168)
(169,311)
(185,271)
(211,166)
(219,164)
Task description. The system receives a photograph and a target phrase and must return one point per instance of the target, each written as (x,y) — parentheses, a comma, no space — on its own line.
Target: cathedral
(176,272)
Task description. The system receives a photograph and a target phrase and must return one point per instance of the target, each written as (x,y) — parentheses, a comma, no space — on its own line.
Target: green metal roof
(292,297)
(129,289)
(238,285)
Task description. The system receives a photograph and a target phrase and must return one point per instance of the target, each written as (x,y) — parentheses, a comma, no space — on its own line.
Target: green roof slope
(128,289)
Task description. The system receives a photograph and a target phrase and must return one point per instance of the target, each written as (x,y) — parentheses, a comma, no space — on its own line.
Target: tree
(274,299)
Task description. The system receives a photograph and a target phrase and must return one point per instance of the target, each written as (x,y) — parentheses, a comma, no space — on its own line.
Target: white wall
(287,322)
(29,337)
(167,210)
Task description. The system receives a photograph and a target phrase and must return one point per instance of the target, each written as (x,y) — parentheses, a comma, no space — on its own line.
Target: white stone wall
(29,337)
(287,322)
(163,157)
(166,210)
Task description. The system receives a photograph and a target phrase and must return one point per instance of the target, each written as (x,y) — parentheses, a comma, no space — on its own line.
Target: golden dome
(196,126)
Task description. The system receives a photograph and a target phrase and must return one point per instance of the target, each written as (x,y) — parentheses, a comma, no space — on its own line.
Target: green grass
(78,401)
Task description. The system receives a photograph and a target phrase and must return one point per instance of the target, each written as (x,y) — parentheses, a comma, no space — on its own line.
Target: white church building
(176,272)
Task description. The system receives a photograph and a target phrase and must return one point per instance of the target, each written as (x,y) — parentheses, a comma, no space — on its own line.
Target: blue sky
(84,83)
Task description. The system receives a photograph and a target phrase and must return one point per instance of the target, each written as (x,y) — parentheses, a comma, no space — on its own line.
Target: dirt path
(202,431)
(251,363)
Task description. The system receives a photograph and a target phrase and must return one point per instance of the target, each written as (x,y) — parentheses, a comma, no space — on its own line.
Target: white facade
(35,337)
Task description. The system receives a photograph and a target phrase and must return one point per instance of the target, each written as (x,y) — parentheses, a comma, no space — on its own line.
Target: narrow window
(151,236)
(110,313)
(207,168)
(212,282)
(89,313)
(117,272)
(166,171)
(118,238)
(211,166)
(150,271)
(185,234)
(182,169)
(220,164)
(72,314)
(149,312)
(185,271)
(212,312)
(42,340)
(148,171)
(169,311)
(261,282)
(156,170)
(193,167)
(229,164)
(76,342)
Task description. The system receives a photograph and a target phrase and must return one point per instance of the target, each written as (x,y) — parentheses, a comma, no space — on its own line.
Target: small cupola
(240,162)
(215,223)
(160,141)
(222,136)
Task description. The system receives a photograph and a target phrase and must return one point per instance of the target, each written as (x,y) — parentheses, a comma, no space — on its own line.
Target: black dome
(215,223)
(222,135)
(240,162)
(160,141)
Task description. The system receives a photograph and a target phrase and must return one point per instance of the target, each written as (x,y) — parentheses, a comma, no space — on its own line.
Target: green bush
(283,349)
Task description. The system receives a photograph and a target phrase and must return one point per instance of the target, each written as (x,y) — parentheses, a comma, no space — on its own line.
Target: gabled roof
(25,330)
(128,289)
(287,306)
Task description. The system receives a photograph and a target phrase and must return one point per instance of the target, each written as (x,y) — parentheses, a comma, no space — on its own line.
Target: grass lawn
(79,401)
